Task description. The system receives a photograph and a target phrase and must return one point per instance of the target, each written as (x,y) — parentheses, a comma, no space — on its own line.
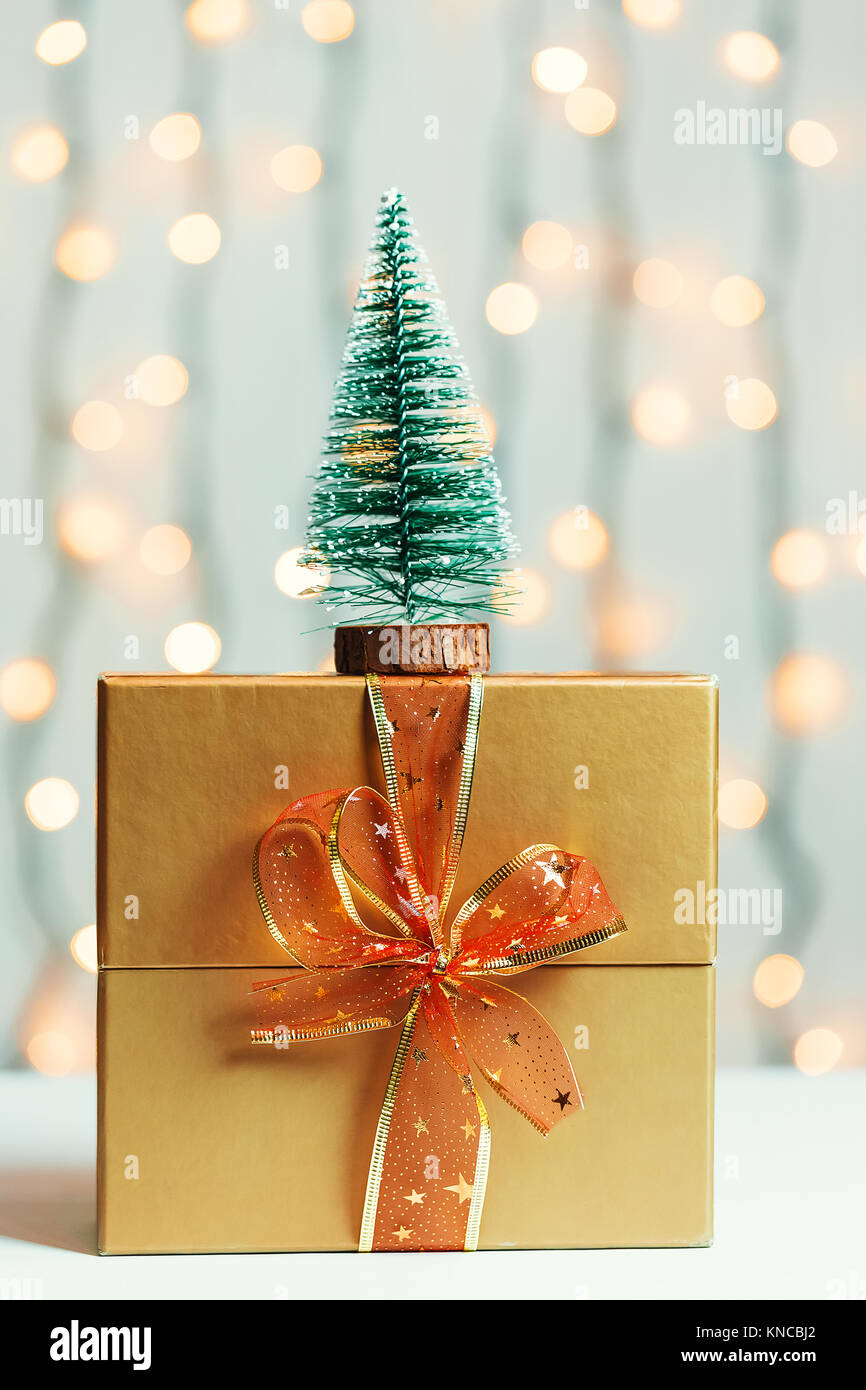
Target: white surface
(790,1216)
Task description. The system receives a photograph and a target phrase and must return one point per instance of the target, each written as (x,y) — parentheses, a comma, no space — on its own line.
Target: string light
(742,804)
(297,168)
(328,21)
(52,803)
(799,559)
(51,1053)
(83,949)
(192,648)
(558,70)
(590,111)
(751,56)
(195,238)
(736,301)
(511,308)
(217,21)
(40,154)
(61,42)
(652,14)
(84,253)
(657,283)
(817,1051)
(27,689)
(811,143)
(90,529)
(660,414)
(161,380)
(751,405)
(809,693)
(547,245)
(165,549)
(578,539)
(525,593)
(97,426)
(176,137)
(299,581)
(777,980)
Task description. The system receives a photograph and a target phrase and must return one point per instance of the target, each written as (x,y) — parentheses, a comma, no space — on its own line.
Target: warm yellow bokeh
(489,423)
(811,143)
(84,253)
(52,803)
(578,539)
(195,238)
(520,597)
(511,308)
(558,69)
(161,380)
(97,426)
(590,111)
(299,581)
(809,693)
(631,627)
(90,529)
(777,980)
(751,404)
(83,949)
(297,168)
(61,42)
(736,301)
(176,137)
(328,21)
(217,21)
(742,803)
(860,556)
(652,14)
(51,1053)
(165,549)
(657,283)
(547,245)
(661,414)
(27,689)
(817,1051)
(750,55)
(192,648)
(39,154)
(799,559)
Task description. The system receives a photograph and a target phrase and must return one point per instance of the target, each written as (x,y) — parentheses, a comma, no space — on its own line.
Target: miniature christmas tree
(407,510)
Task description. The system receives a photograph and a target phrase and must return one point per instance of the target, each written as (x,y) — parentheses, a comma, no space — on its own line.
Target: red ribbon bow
(428,1172)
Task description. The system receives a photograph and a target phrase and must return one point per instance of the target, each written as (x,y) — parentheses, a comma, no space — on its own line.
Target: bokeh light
(52,803)
(521,597)
(299,581)
(328,21)
(217,21)
(61,42)
(165,549)
(751,405)
(558,69)
(750,55)
(817,1051)
(809,693)
(547,245)
(83,948)
(578,539)
(660,414)
(777,980)
(590,111)
(195,238)
(736,301)
(633,627)
(176,137)
(90,529)
(97,426)
(860,556)
(652,14)
(657,283)
(161,380)
(39,154)
(511,308)
(799,559)
(192,648)
(742,803)
(84,253)
(811,143)
(27,689)
(297,168)
(51,1053)
(489,423)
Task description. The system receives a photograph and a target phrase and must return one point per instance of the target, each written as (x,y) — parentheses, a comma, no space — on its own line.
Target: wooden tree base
(413,649)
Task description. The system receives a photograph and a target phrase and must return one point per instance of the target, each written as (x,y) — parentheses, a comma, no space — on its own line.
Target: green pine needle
(407,510)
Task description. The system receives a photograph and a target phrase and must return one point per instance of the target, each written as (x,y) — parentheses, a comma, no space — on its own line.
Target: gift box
(207,1143)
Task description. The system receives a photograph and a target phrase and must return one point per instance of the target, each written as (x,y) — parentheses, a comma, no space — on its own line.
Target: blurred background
(661,303)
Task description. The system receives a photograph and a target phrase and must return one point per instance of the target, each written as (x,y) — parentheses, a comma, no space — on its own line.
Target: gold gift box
(207,1144)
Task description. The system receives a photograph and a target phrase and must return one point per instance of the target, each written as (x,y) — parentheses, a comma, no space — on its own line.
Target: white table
(790,1216)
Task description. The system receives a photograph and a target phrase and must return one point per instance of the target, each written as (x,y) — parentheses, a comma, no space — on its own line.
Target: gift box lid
(621,769)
